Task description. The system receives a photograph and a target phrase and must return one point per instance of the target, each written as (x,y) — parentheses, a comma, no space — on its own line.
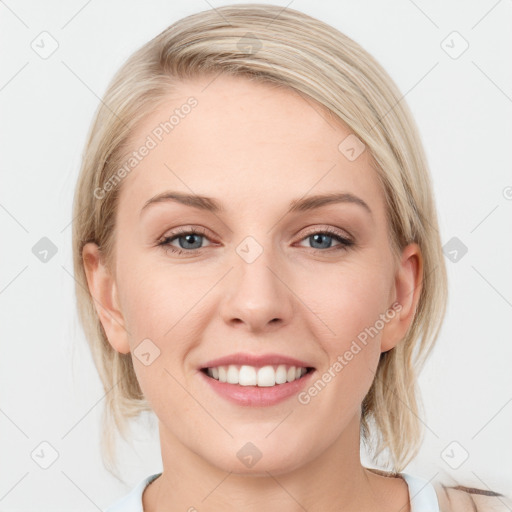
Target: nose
(257,295)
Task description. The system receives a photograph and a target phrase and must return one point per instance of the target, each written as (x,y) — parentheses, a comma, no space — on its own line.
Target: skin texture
(255,148)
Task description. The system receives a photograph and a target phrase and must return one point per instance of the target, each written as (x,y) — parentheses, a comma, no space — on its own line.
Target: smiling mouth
(264,376)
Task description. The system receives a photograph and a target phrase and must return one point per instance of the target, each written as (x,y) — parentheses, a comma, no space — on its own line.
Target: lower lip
(256,396)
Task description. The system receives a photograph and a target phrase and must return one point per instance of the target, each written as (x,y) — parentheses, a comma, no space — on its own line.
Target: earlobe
(103,289)
(407,290)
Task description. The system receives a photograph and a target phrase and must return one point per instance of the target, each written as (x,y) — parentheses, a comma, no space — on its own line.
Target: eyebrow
(297,205)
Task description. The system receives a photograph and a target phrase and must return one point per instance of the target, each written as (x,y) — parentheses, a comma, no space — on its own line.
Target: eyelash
(345,243)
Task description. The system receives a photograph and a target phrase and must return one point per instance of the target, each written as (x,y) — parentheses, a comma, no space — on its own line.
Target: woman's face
(261,277)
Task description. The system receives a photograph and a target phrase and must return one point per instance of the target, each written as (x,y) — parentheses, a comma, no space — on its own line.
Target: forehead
(247,143)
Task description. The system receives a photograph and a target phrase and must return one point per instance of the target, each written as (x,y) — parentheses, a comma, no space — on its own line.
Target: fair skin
(255,148)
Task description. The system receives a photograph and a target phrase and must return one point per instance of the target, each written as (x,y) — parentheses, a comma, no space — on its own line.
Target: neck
(333,481)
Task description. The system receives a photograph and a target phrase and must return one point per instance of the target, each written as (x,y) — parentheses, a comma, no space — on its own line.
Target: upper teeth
(253,376)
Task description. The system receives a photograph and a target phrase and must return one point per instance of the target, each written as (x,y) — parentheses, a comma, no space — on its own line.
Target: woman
(259,263)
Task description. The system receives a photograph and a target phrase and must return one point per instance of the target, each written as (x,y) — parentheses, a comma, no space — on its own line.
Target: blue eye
(326,237)
(193,237)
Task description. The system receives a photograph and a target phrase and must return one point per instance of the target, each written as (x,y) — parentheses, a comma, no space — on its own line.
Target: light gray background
(49,387)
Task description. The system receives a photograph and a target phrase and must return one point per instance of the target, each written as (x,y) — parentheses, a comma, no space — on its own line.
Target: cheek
(164,306)
(350,308)
(152,297)
(157,315)
(351,299)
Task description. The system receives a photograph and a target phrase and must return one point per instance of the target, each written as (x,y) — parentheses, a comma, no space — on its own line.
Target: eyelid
(184,230)
(329,230)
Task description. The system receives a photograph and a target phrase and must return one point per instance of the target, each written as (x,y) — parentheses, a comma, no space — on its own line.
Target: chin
(248,459)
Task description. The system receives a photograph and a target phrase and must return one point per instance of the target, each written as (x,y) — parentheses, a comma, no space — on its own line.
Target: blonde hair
(283,47)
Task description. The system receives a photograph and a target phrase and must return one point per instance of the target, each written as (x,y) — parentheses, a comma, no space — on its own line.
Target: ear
(407,289)
(103,290)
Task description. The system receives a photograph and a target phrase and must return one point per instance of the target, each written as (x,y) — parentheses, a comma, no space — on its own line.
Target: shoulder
(457,498)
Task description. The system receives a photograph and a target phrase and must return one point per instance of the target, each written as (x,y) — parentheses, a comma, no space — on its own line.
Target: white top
(422,495)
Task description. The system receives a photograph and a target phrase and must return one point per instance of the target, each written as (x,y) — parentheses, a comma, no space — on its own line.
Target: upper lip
(256,360)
